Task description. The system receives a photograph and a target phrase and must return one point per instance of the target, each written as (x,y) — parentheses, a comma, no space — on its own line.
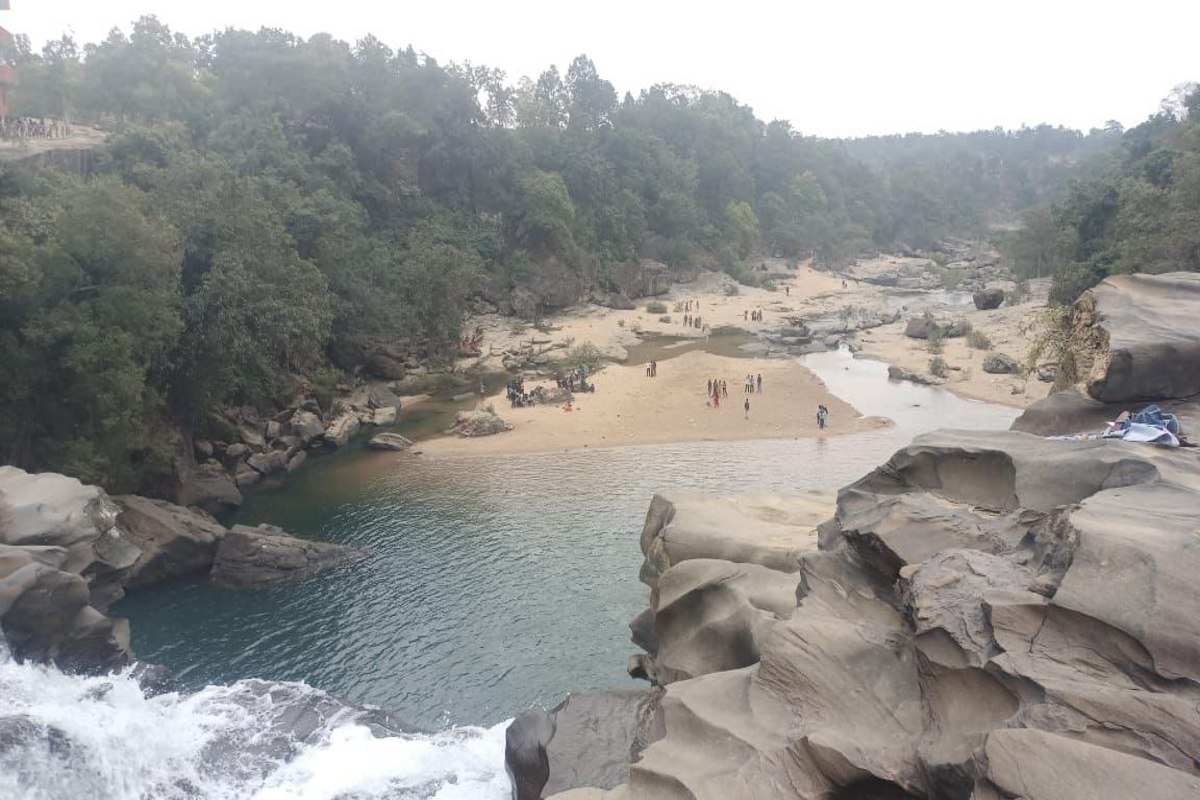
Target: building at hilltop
(8,73)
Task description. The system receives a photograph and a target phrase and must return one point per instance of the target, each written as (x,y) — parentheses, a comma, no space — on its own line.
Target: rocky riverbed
(985,616)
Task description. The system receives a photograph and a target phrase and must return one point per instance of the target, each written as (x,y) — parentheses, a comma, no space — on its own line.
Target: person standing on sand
(787,290)
(760,383)
(716,397)
(709,389)
(724,389)
(746,407)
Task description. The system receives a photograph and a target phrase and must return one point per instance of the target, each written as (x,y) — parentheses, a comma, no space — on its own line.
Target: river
(490,586)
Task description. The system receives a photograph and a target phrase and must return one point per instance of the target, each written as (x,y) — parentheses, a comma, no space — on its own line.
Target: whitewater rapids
(64,737)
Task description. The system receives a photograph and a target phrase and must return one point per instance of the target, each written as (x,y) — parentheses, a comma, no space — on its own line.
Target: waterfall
(64,737)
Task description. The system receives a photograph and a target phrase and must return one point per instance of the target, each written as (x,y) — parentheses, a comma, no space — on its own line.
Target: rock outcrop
(68,550)
(264,555)
(988,615)
(173,541)
(1141,334)
(589,739)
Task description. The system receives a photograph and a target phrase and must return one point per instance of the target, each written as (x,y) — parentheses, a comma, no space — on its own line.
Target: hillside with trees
(1135,209)
(267,207)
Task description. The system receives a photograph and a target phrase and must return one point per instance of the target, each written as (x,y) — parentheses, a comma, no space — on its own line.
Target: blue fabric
(1153,415)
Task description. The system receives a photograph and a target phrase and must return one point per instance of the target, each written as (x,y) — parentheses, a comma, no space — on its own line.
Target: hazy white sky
(834,68)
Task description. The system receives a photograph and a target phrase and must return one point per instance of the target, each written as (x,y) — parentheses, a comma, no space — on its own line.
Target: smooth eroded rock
(265,555)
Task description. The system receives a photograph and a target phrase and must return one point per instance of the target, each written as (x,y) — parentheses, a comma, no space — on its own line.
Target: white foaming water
(67,737)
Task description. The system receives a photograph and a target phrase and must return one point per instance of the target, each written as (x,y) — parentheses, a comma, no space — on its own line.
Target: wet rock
(988,299)
(389,441)
(1000,364)
(588,740)
(45,616)
(265,554)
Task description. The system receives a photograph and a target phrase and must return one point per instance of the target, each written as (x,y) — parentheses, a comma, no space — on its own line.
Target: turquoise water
(493,584)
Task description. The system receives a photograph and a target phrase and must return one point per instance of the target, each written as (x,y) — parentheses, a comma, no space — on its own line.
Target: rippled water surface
(493,584)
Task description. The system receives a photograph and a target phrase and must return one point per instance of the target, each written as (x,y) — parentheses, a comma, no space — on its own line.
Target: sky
(832,68)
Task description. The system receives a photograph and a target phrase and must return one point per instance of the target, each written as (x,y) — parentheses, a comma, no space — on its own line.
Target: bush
(665,318)
(936,339)
(1020,292)
(585,355)
(939,367)
(656,307)
(979,340)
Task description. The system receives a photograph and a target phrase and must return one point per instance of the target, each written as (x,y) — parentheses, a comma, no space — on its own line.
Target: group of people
(18,128)
(752,314)
(652,369)
(749,384)
(472,341)
(690,321)
(822,417)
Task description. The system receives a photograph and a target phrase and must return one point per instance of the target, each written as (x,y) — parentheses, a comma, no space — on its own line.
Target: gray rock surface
(263,555)
(174,541)
(45,614)
(587,740)
(988,615)
(1144,334)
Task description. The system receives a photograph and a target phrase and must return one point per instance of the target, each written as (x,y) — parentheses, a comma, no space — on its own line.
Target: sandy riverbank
(629,408)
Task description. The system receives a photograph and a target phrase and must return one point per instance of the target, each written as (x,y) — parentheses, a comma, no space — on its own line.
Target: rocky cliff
(68,551)
(987,615)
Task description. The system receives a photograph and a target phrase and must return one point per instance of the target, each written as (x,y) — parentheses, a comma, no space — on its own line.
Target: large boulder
(389,441)
(209,488)
(987,299)
(1000,364)
(264,555)
(479,423)
(340,430)
(174,541)
(1142,333)
(306,426)
(52,510)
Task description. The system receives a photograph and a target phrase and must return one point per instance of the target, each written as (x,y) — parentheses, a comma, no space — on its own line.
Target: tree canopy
(269,207)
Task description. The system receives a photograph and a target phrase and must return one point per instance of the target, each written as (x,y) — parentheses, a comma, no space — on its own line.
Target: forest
(267,208)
